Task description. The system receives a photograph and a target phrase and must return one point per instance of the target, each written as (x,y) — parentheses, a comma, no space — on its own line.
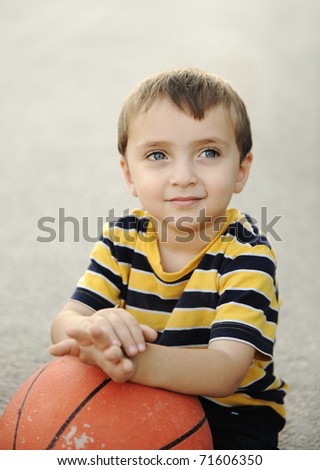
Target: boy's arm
(100,329)
(73,314)
(216,371)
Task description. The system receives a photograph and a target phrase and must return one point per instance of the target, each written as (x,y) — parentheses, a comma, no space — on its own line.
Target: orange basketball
(70,405)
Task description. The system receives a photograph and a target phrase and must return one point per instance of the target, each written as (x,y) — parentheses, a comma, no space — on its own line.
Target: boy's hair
(193,91)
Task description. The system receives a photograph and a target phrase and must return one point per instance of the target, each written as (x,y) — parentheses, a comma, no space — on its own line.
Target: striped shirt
(229,290)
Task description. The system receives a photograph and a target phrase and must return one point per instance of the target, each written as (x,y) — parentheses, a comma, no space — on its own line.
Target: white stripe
(244,342)
(190,328)
(96,292)
(231,273)
(247,290)
(200,291)
(148,311)
(215,322)
(246,306)
(186,309)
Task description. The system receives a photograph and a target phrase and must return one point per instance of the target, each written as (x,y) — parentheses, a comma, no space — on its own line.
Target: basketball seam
(23,403)
(76,411)
(185,436)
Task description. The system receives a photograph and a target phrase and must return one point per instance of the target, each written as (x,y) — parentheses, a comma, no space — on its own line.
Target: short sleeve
(101,285)
(248,304)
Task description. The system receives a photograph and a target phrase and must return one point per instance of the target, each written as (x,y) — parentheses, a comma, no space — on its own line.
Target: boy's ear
(243,173)
(127,176)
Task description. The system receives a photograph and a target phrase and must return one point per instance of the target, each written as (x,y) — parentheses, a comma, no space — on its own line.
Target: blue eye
(210,153)
(156,156)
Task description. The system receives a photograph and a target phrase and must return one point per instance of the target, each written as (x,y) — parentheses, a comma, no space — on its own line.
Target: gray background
(66,66)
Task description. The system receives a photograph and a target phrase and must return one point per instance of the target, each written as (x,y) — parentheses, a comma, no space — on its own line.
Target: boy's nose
(183,175)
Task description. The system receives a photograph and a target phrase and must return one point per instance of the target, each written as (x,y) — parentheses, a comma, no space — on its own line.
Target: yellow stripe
(203,281)
(99,285)
(241,399)
(158,321)
(243,314)
(193,318)
(102,254)
(248,280)
(146,282)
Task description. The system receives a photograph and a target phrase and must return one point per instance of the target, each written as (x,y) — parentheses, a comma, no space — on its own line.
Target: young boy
(182,294)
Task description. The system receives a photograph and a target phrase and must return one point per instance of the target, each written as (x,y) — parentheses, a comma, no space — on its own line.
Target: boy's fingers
(113,354)
(81,336)
(68,346)
(117,366)
(122,329)
(149,334)
(104,337)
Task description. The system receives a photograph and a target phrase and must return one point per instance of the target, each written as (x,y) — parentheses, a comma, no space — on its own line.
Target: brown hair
(193,91)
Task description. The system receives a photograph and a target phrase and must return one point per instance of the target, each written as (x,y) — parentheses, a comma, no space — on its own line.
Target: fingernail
(141,347)
(132,350)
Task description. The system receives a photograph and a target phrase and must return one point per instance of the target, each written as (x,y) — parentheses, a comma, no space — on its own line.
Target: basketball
(71,405)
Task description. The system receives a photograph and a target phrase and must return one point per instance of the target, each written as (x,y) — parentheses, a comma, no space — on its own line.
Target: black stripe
(260,385)
(23,403)
(250,263)
(132,222)
(141,263)
(243,235)
(90,298)
(120,252)
(198,299)
(76,411)
(150,302)
(195,336)
(241,331)
(275,396)
(185,435)
(250,298)
(212,261)
(104,271)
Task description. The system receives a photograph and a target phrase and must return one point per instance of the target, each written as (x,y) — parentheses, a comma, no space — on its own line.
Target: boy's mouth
(185,201)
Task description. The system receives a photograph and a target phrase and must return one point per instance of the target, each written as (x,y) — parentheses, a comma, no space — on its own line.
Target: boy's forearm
(190,371)
(59,325)
(71,315)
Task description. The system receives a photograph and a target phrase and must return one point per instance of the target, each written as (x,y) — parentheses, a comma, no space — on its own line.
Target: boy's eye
(210,153)
(157,155)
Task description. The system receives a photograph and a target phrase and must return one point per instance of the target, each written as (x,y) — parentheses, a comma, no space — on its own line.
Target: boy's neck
(177,248)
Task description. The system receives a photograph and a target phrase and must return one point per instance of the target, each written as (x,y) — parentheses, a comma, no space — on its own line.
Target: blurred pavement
(66,66)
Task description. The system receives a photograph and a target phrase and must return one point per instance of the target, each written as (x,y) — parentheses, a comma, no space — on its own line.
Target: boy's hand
(107,327)
(112,360)
(110,339)
(116,327)
(66,347)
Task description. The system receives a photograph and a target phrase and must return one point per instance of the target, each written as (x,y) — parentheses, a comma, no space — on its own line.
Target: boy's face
(182,168)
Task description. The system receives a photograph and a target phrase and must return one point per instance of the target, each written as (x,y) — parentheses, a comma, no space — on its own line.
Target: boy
(182,295)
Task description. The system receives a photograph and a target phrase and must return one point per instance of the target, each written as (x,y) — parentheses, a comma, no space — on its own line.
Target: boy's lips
(184,201)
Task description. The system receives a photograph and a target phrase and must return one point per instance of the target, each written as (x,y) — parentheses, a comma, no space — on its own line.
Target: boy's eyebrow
(200,142)
(153,143)
(211,140)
